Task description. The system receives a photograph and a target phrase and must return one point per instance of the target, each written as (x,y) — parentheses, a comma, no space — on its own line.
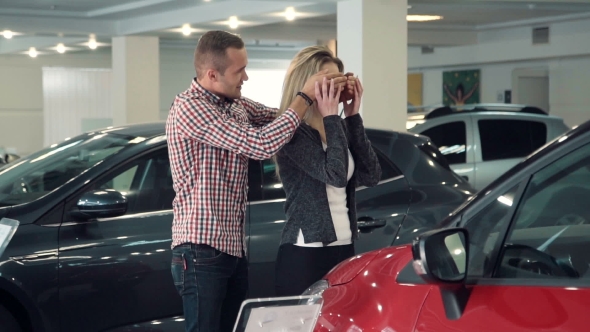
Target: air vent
(541,35)
(427,49)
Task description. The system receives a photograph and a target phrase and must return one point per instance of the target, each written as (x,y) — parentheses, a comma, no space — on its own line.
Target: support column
(373,43)
(136,79)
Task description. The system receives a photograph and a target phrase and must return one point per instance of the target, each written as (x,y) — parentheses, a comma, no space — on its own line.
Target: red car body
(365,296)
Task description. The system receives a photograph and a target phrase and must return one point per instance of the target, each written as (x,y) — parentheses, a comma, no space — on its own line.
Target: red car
(515,258)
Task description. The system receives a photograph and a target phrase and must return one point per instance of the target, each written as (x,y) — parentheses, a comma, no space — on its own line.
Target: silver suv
(483,141)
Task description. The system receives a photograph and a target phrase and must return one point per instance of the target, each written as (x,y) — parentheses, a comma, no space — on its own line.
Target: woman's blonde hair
(306,63)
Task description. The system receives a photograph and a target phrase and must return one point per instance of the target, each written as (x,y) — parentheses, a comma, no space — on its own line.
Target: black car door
(380,211)
(115,272)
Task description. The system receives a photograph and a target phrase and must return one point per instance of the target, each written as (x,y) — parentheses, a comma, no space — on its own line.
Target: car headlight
(317,288)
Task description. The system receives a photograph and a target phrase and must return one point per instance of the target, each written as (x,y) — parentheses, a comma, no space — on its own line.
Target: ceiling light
(92,42)
(233,22)
(33,52)
(7,34)
(60,48)
(423,18)
(290,13)
(186,29)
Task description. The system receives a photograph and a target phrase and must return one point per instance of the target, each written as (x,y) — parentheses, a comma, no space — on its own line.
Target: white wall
(21,95)
(76,100)
(176,73)
(569,85)
(21,88)
(501,51)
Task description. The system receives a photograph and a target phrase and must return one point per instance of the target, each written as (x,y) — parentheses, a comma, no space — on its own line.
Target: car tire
(9,322)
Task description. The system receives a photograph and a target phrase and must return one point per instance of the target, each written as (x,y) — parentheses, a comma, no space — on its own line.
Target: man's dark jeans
(212,284)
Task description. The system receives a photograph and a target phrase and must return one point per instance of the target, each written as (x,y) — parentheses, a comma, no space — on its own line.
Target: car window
(451,139)
(272,187)
(420,166)
(254,180)
(32,177)
(388,169)
(485,229)
(146,182)
(550,237)
(516,139)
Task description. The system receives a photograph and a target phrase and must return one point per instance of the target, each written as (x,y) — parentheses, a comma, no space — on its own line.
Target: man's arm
(197,120)
(258,113)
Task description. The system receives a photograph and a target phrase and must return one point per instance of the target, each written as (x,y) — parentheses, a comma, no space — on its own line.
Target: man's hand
(348,92)
(354,106)
(309,87)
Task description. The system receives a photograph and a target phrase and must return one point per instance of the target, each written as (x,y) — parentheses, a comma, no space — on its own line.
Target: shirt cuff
(291,114)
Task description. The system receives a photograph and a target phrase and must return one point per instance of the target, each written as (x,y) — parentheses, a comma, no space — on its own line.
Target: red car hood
(365,291)
(391,261)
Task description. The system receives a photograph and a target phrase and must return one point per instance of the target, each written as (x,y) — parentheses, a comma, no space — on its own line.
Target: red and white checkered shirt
(210,140)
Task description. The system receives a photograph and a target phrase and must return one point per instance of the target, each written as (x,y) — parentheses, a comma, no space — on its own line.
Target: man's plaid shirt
(210,140)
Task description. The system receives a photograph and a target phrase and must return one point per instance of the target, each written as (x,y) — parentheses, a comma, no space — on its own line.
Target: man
(212,131)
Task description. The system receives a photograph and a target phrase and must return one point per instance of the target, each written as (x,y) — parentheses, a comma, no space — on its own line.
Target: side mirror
(100,204)
(441,258)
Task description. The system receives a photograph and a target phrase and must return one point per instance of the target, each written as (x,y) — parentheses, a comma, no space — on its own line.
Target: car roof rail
(478,108)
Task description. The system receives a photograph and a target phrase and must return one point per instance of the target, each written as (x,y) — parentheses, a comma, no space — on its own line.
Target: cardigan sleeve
(368,170)
(329,166)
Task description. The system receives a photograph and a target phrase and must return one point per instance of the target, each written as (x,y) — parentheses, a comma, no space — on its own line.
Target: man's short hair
(211,51)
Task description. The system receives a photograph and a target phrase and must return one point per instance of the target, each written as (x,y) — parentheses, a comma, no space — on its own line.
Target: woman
(327,158)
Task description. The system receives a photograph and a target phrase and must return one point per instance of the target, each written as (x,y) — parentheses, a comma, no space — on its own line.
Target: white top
(338,210)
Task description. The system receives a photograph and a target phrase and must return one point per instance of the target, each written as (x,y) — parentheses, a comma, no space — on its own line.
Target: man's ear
(212,75)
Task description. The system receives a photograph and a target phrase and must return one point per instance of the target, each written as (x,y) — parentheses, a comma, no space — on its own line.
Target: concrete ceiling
(44,23)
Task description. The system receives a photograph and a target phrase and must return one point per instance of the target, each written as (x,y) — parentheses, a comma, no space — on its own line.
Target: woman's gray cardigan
(305,169)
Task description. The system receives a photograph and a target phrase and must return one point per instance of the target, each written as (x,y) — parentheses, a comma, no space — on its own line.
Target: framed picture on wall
(461,87)
(415,89)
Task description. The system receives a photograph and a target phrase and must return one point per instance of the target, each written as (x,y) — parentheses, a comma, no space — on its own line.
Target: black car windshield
(31,177)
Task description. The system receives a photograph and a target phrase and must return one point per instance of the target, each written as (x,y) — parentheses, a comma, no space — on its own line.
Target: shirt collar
(202,92)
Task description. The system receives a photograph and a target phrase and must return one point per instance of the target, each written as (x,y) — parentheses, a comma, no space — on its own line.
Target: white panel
(22,130)
(265,86)
(72,95)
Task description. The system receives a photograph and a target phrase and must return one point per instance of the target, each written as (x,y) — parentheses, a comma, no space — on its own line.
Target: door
(115,272)
(534,91)
(380,210)
(455,141)
(529,260)
(501,149)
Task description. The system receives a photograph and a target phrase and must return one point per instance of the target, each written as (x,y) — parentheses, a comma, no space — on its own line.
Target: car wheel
(9,323)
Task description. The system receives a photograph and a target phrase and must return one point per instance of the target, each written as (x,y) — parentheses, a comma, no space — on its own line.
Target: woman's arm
(368,170)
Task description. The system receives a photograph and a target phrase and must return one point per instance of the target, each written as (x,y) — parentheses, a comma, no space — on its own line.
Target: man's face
(229,84)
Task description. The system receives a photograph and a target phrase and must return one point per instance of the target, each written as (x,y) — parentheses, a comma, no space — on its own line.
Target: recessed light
(60,48)
(290,13)
(423,18)
(92,42)
(33,52)
(186,29)
(233,22)
(7,34)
